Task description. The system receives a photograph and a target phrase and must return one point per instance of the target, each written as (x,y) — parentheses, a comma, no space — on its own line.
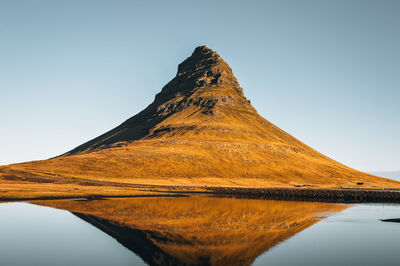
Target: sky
(327,72)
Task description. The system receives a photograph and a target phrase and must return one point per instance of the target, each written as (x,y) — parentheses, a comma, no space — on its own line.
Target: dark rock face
(203,70)
(206,102)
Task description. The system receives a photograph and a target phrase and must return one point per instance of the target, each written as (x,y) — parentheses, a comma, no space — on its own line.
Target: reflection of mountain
(197,230)
(138,241)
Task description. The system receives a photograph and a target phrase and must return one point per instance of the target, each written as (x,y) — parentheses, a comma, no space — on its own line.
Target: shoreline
(90,197)
(285,194)
(321,195)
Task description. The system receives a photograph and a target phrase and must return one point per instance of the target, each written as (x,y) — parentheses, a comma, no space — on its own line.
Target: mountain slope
(201,130)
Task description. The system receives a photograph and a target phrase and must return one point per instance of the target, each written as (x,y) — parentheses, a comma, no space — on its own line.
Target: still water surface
(197,230)
(36,235)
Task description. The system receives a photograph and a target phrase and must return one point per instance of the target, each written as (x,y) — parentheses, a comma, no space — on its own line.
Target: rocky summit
(200,130)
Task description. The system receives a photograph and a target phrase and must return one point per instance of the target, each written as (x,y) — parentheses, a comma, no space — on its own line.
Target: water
(355,236)
(197,230)
(35,235)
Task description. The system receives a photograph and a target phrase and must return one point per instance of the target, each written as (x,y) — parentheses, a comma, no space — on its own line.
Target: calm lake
(197,230)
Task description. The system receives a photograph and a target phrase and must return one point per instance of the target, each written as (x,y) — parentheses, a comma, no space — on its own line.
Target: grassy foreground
(24,186)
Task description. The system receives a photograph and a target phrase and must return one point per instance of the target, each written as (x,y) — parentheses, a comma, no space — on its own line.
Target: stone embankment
(326,195)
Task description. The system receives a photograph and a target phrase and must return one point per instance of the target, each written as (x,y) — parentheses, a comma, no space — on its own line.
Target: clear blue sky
(327,72)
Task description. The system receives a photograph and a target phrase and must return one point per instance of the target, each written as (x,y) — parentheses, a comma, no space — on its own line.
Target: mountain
(200,130)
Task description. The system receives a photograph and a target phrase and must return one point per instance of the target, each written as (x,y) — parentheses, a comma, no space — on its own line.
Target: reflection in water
(197,230)
(393,220)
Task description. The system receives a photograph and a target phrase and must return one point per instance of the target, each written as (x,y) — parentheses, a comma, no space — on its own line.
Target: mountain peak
(203,49)
(204,72)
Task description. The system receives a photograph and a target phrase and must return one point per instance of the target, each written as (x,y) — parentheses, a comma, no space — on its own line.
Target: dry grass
(190,162)
(14,190)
